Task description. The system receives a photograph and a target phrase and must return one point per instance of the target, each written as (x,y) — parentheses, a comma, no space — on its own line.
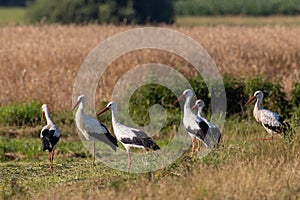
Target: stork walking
(273,123)
(50,135)
(91,128)
(196,126)
(129,137)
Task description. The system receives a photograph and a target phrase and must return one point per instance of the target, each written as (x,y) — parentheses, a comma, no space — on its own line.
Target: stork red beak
(42,118)
(194,107)
(75,106)
(179,99)
(250,100)
(102,111)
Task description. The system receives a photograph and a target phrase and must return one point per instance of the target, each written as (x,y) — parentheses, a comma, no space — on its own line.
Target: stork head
(44,110)
(111,105)
(198,104)
(80,99)
(185,94)
(257,95)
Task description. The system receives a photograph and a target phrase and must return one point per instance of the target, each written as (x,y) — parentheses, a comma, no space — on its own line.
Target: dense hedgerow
(238,91)
(237,7)
(21,114)
(104,11)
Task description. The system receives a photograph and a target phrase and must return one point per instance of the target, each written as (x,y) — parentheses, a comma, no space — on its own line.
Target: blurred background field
(42,56)
(254,44)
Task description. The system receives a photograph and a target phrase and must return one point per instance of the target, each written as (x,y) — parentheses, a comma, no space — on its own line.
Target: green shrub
(148,95)
(63,11)
(296,94)
(154,11)
(116,11)
(237,7)
(21,114)
(102,11)
(235,95)
(201,91)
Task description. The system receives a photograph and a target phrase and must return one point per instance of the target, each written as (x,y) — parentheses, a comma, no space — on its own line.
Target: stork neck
(47,116)
(257,104)
(187,104)
(199,111)
(114,115)
(81,106)
(80,109)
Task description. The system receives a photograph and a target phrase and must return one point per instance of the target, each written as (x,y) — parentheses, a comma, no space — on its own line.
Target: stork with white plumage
(129,137)
(213,131)
(196,126)
(200,105)
(273,123)
(91,128)
(50,135)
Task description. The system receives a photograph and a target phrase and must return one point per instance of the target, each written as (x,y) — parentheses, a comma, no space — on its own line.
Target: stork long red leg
(52,158)
(199,146)
(193,146)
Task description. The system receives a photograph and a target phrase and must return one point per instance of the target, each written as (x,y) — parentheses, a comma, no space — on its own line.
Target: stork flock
(196,125)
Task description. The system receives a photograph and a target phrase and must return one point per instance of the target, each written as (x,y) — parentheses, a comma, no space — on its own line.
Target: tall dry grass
(41,62)
(243,167)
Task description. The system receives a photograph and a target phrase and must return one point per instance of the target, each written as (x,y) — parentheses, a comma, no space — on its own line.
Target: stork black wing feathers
(49,140)
(107,138)
(201,132)
(147,142)
(284,128)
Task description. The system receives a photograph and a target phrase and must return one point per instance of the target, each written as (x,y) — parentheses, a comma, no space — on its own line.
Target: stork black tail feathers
(149,143)
(112,140)
(46,144)
(155,146)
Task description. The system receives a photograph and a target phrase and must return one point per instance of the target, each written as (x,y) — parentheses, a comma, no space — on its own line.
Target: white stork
(213,131)
(271,121)
(200,105)
(50,135)
(91,128)
(196,126)
(129,137)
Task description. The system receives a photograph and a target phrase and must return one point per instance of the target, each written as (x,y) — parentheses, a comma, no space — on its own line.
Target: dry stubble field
(41,62)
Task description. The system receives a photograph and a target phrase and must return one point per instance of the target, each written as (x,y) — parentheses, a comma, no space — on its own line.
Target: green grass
(237,20)
(27,174)
(12,15)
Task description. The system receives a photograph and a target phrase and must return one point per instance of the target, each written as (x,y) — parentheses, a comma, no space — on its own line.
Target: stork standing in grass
(273,123)
(129,137)
(196,126)
(213,131)
(91,128)
(50,135)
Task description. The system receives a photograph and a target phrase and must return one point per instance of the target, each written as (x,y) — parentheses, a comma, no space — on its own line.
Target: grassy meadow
(12,15)
(40,62)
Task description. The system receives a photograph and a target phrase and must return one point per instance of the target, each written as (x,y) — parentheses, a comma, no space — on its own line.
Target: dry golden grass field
(32,58)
